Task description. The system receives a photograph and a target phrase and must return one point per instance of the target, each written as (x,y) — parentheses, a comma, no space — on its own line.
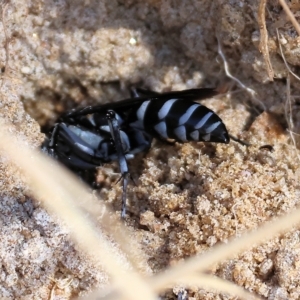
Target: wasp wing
(142,95)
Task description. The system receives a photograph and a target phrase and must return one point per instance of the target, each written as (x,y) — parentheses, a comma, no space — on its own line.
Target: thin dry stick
(263,44)
(63,193)
(4,9)
(290,15)
(228,74)
(283,57)
(225,251)
(288,115)
(288,106)
(204,281)
(214,283)
(82,229)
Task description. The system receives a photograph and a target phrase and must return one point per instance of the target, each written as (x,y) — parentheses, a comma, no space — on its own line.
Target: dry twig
(65,204)
(290,15)
(228,74)
(283,57)
(288,106)
(263,44)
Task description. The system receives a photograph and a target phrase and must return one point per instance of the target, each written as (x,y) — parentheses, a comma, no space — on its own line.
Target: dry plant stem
(212,282)
(228,74)
(288,114)
(263,44)
(62,193)
(83,231)
(4,9)
(225,251)
(290,15)
(196,280)
(283,57)
(288,106)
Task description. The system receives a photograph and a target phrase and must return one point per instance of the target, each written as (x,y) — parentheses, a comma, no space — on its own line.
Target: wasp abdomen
(180,120)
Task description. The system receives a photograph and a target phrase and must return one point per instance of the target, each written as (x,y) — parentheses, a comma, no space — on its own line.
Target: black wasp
(89,137)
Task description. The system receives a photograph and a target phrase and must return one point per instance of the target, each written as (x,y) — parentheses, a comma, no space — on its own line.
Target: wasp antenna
(239,141)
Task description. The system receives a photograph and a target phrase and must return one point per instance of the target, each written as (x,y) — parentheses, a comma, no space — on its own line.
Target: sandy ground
(56,55)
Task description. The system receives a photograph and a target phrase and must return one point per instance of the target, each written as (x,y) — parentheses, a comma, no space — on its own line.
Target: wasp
(89,137)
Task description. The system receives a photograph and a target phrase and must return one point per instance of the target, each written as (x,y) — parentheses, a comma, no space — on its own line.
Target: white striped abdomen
(180,120)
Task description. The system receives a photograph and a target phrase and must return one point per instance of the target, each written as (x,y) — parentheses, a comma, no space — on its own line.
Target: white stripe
(119,119)
(105,128)
(129,156)
(212,127)
(183,119)
(161,129)
(181,133)
(141,111)
(206,137)
(85,149)
(165,109)
(90,138)
(203,120)
(195,135)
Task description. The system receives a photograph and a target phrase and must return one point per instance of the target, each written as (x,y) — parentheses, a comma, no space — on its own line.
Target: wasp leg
(115,132)
(49,143)
(53,136)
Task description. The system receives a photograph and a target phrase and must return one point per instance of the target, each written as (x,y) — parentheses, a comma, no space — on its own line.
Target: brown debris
(267,129)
